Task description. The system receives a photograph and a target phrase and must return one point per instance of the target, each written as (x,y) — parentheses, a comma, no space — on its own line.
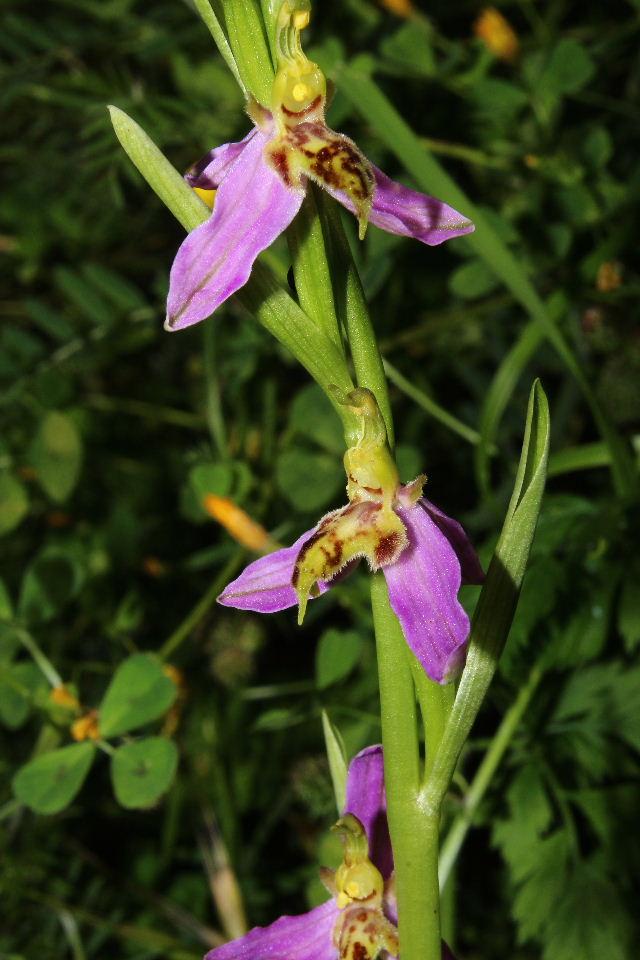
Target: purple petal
(472,572)
(307,937)
(423,590)
(446,952)
(367,800)
(211,170)
(265,585)
(407,213)
(252,208)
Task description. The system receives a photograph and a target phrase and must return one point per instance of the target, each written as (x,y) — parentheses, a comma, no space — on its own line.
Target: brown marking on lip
(279,160)
(386,548)
(359,951)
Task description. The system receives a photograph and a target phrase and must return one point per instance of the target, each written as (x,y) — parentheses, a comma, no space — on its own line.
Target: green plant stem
(414,836)
(196,614)
(39,658)
(215,29)
(490,762)
(352,309)
(311,268)
(430,406)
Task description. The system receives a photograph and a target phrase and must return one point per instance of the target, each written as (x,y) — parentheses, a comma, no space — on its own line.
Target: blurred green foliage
(112,432)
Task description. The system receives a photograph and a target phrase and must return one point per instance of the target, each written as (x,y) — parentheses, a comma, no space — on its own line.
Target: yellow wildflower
(86,727)
(498,34)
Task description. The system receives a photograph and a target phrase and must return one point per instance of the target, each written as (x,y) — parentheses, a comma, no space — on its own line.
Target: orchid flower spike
(261,183)
(360,919)
(425,556)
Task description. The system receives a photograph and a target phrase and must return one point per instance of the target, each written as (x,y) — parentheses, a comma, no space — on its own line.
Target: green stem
(196,614)
(39,658)
(430,406)
(414,836)
(215,29)
(311,268)
(461,825)
(352,309)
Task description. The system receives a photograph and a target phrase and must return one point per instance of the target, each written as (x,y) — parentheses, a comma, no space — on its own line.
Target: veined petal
(367,800)
(265,585)
(306,937)
(470,567)
(423,590)
(252,208)
(408,213)
(209,172)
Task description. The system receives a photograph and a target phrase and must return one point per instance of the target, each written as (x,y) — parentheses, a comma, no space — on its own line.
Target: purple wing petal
(397,209)
(209,172)
(307,937)
(367,800)
(265,585)
(472,572)
(252,208)
(423,590)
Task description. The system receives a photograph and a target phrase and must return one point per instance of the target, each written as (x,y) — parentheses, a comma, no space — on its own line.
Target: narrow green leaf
(50,782)
(499,596)
(245,27)
(56,455)
(499,394)
(213,25)
(142,771)
(585,457)
(139,692)
(337,760)
(14,502)
(337,654)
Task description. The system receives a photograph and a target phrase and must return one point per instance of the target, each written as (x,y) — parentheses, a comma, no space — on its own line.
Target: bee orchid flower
(359,921)
(425,555)
(261,183)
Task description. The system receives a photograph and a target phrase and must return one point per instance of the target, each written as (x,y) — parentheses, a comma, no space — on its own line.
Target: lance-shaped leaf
(497,602)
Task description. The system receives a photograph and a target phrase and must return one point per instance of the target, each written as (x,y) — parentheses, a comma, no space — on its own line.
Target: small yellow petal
(208,196)
(86,727)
